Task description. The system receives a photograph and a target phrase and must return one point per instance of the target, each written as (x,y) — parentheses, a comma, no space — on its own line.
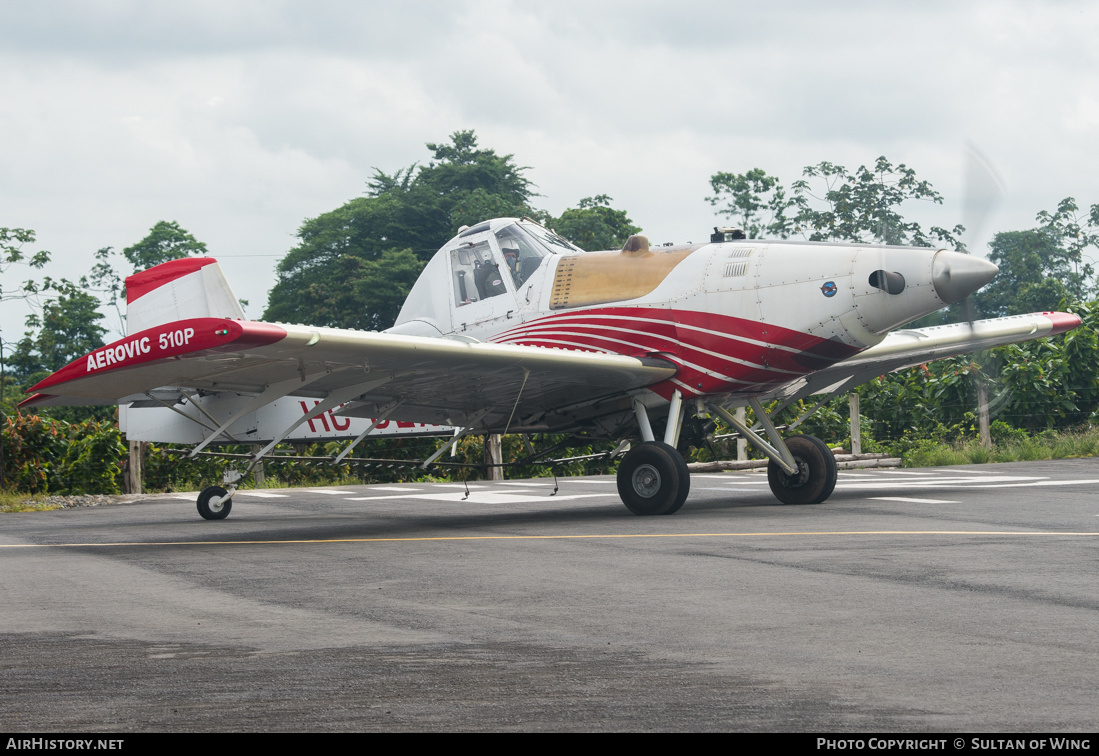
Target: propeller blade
(983,191)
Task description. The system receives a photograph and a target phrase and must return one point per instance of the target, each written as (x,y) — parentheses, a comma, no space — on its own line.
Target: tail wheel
(208,506)
(816,475)
(653,479)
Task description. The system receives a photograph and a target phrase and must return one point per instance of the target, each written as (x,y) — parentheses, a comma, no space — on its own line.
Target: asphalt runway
(945,599)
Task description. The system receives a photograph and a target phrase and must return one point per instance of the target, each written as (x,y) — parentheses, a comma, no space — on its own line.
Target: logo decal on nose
(829,288)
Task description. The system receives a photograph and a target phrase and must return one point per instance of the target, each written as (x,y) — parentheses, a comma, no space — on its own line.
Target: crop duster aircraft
(511,328)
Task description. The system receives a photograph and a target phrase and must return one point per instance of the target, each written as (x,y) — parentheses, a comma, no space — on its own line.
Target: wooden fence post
(494,456)
(856,430)
(982,415)
(134,473)
(257,471)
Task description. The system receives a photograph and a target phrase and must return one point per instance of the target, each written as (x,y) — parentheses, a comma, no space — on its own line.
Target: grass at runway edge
(1046,446)
(17,502)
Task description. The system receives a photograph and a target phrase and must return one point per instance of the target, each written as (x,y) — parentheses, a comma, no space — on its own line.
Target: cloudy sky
(241,119)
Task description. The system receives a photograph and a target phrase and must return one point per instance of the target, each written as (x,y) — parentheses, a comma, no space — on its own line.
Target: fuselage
(738,317)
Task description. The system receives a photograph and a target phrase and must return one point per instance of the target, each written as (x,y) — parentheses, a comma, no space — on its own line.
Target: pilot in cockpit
(511,256)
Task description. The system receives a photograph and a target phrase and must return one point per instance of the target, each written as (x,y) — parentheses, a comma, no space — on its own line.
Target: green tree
(1043,268)
(864,206)
(12,255)
(744,197)
(831,203)
(351,292)
(12,241)
(594,224)
(353,263)
(67,328)
(165,241)
(1035,275)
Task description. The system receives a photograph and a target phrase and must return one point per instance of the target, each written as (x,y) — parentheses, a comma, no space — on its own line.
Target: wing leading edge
(910,347)
(435,380)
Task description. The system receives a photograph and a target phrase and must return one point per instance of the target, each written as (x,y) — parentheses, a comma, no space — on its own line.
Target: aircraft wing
(436,380)
(909,347)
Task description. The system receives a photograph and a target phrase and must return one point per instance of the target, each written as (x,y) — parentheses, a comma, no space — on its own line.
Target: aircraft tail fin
(192,287)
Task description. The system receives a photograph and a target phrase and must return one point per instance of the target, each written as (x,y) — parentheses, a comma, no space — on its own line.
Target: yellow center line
(557,538)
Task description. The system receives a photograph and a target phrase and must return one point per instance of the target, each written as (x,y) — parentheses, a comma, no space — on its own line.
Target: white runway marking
(327,491)
(912,501)
(261,494)
(396,488)
(1045,482)
(952,481)
(486,497)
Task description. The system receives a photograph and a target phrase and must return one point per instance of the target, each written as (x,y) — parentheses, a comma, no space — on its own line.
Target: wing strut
(269,394)
(473,420)
(335,398)
(209,417)
(778,452)
(172,407)
(383,413)
(526,374)
(845,386)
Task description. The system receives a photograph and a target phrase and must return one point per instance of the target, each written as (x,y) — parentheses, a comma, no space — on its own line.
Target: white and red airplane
(510,328)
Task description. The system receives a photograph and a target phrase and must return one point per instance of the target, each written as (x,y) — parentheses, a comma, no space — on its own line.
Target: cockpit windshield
(524,249)
(556,243)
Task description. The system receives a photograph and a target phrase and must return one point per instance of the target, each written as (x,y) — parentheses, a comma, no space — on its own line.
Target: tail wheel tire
(208,509)
(816,475)
(653,479)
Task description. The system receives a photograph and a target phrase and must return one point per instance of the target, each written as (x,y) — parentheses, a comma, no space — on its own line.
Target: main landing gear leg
(653,478)
(802,469)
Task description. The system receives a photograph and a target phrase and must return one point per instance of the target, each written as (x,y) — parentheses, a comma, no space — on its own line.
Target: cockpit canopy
(484,261)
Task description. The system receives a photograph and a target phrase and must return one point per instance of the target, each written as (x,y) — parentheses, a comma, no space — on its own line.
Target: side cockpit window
(476,275)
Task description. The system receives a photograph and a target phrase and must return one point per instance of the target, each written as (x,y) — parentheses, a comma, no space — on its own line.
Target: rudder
(191,287)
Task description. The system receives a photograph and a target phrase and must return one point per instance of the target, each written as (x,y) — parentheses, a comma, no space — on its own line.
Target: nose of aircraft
(956,275)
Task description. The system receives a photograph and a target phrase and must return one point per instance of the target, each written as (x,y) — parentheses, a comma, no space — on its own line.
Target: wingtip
(1062,321)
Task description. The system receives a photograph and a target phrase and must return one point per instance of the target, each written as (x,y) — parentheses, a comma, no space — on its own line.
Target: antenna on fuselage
(726,233)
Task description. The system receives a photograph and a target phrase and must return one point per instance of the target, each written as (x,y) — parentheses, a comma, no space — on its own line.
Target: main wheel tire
(208,509)
(816,476)
(684,483)
(653,479)
(833,469)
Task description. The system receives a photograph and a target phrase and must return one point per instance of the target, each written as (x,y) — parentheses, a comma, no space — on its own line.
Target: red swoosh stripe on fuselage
(716,353)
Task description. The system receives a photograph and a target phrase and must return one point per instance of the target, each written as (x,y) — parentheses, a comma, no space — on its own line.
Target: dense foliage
(44,455)
(830,203)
